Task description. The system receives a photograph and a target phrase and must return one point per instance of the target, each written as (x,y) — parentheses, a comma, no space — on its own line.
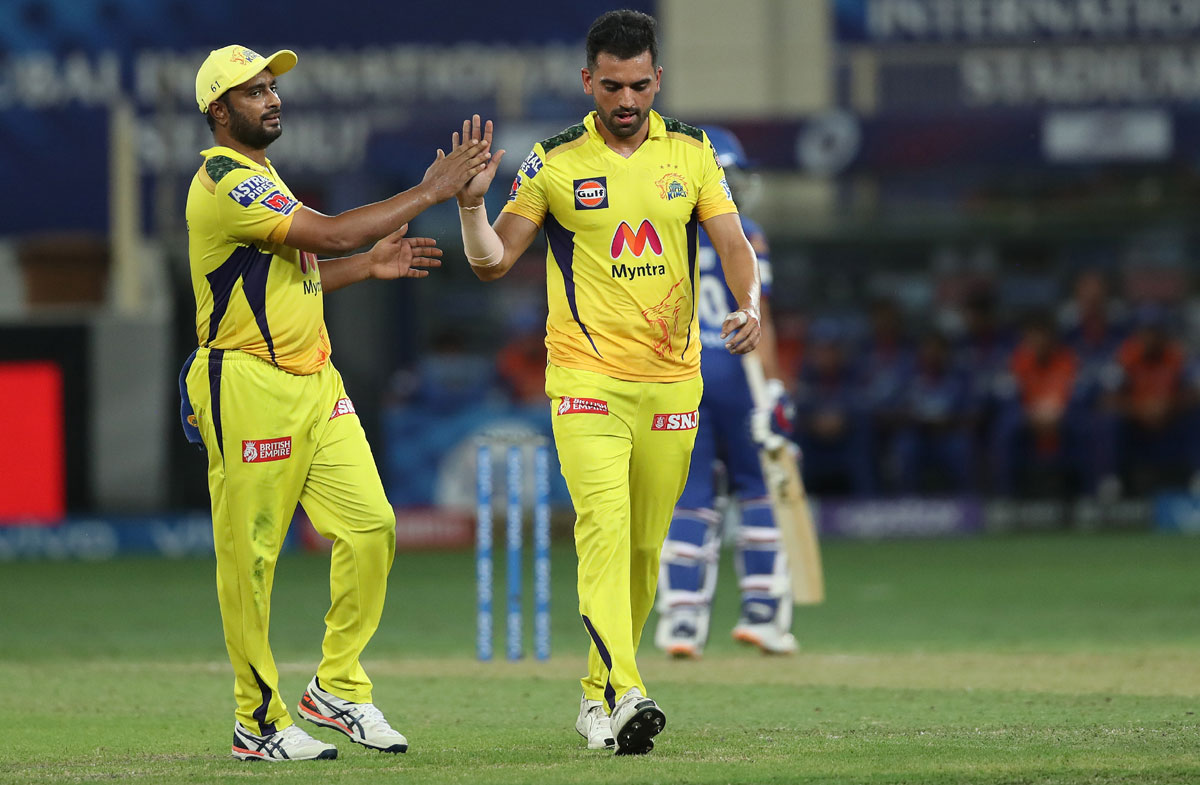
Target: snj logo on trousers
(571,405)
(683,421)
(637,241)
(591,193)
(262,450)
(343,406)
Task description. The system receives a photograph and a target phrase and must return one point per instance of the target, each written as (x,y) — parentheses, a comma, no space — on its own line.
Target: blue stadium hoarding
(399,70)
(934,22)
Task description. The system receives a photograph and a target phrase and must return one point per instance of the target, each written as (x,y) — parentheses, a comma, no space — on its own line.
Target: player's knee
(378,527)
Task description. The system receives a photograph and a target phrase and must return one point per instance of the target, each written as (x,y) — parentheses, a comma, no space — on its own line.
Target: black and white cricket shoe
(291,743)
(361,722)
(636,720)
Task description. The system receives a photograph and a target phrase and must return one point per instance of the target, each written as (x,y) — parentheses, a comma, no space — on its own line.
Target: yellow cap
(233,65)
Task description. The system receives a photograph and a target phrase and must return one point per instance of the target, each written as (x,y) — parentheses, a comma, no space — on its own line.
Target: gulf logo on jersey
(591,193)
(682,421)
(637,241)
(262,450)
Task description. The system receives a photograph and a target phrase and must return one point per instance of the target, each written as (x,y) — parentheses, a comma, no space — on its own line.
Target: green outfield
(1055,659)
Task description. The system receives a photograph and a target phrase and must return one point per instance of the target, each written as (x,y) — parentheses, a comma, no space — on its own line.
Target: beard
(616,129)
(250,133)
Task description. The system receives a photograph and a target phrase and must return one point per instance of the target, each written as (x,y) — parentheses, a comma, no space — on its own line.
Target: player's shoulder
(680,131)
(566,139)
(218,167)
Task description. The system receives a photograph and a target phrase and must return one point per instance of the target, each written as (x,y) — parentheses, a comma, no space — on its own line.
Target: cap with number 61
(233,65)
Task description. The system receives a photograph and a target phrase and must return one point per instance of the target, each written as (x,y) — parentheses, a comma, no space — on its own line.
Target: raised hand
(448,173)
(397,256)
(472,193)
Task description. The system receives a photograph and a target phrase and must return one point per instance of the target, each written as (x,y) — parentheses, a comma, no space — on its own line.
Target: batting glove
(772,425)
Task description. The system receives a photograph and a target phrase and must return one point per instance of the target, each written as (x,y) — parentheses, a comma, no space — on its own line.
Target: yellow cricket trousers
(275,439)
(624,448)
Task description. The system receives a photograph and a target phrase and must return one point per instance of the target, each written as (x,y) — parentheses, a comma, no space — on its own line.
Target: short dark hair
(208,118)
(623,34)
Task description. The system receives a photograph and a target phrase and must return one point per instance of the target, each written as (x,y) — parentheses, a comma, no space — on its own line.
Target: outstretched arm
(741,330)
(492,250)
(339,234)
(395,256)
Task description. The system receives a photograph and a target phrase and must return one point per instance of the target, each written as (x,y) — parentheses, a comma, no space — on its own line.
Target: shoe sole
(752,639)
(682,651)
(325,722)
(247,755)
(636,737)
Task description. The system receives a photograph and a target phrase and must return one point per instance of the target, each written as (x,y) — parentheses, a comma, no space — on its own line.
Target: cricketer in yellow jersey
(270,407)
(621,196)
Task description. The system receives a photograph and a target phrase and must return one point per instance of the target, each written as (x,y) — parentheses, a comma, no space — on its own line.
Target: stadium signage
(989,21)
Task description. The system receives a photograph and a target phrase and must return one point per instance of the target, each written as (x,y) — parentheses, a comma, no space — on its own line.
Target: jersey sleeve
(252,207)
(527,198)
(714,197)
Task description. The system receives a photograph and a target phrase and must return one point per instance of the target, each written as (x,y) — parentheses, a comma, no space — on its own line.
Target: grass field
(1022,660)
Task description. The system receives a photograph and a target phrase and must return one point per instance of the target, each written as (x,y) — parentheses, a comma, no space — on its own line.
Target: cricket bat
(789,502)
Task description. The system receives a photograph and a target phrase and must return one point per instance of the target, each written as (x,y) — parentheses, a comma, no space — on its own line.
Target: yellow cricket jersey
(621,270)
(253,293)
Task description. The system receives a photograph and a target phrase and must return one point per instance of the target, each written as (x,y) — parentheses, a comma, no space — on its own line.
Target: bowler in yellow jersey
(621,197)
(270,408)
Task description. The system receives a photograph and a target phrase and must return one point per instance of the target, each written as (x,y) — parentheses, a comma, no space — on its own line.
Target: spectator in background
(833,426)
(1037,438)
(1093,326)
(884,363)
(983,350)
(932,447)
(1154,406)
(521,362)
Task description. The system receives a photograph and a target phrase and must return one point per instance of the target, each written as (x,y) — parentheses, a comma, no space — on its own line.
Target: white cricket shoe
(593,724)
(361,722)
(766,636)
(291,743)
(636,720)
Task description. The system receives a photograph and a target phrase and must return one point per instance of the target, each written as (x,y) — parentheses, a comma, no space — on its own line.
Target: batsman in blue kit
(730,434)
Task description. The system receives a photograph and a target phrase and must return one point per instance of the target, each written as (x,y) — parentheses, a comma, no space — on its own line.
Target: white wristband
(483,246)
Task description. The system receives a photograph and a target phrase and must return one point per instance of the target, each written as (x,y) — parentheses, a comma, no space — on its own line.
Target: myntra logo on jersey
(683,421)
(571,405)
(636,242)
(343,406)
(262,450)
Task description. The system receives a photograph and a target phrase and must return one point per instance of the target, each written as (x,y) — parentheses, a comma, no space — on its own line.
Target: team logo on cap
(591,193)
(243,56)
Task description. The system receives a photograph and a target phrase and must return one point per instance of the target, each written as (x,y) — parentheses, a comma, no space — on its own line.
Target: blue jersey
(714,302)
